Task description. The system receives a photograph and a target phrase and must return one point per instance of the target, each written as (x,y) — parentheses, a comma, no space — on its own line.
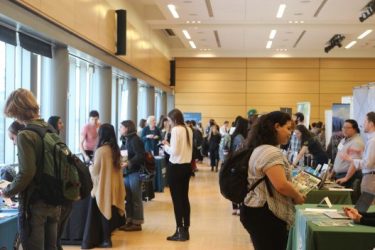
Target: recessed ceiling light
(192,45)
(187,21)
(351,44)
(280,11)
(186,34)
(269,44)
(272,34)
(198,21)
(364,34)
(295,21)
(302,21)
(172,9)
(192,21)
(290,21)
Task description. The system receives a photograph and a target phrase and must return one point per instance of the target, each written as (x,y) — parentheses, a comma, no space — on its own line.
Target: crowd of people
(278,142)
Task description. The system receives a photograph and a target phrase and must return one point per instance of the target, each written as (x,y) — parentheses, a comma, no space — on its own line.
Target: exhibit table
(336,197)
(8,228)
(306,235)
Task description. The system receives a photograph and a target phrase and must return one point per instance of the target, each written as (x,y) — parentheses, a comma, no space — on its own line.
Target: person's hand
(342,180)
(150,136)
(124,164)
(165,142)
(346,157)
(353,214)
(156,137)
(300,199)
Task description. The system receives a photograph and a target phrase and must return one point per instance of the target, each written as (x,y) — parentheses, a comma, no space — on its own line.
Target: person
(267,218)
(141,125)
(106,203)
(135,152)
(37,220)
(213,147)
(237,140)
(309,145)
(367,163)
(7,172)
(353,145)
(224,129)
(179,171)
(295,143)
(151,136)
(57,123)
(13,130)
(89,136)
(66,208)
(367,219)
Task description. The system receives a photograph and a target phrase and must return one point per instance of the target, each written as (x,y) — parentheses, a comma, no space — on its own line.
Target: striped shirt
(262,158)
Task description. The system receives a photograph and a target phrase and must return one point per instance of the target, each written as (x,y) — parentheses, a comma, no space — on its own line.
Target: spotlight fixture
(334,41)
(367,11)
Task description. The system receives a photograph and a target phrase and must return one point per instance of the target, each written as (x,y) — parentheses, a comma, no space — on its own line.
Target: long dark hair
(241,128)
(107,136)
(263,130)
(305,134)
(129,124)
(53,121)
(178,119)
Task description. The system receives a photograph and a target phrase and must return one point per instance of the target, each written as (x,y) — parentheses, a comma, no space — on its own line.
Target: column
(105,94)
(150,101)
(132,86)
(59,85)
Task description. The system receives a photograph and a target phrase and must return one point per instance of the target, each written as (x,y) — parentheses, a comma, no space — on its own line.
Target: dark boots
(181,234)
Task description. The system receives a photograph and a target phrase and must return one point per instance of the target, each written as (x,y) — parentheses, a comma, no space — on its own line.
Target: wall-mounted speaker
(121,32)
(172,64)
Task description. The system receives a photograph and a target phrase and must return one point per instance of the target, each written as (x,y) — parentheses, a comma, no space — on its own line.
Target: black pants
(178,180)
(214,158)
(266,230)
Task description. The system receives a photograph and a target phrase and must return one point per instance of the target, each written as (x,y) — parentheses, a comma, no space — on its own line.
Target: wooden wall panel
(211,63)
(328,99)
(339,87)
(347,63)
(210,99)
(210,74)
(287,74)
(282,63)
(363,75)
(211,86)
(285,87)
(94,21)
(287,100)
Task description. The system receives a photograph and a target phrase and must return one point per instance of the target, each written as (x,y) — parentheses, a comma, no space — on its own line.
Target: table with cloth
(305,235)
(336,197)
(8,228)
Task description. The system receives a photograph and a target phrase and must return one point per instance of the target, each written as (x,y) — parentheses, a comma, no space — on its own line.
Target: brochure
(305,182)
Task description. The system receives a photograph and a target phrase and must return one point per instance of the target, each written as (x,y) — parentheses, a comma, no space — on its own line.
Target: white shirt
(367,163)
(179,150)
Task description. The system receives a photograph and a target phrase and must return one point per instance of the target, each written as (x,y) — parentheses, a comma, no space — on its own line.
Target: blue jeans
(134,205)
(40,230)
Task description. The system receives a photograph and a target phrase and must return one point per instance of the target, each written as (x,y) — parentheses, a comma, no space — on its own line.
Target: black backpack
(62,176)
(233,176)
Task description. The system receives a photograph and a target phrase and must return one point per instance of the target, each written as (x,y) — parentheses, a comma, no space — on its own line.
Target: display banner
(197,117)
(340,113)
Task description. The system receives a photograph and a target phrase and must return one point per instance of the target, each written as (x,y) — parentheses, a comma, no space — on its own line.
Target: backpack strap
(268,185)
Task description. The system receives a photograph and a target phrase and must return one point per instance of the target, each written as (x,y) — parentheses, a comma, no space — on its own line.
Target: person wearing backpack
(179,171)
(37,219)
(136,158)
(237,140)
(268,209)
(106,205)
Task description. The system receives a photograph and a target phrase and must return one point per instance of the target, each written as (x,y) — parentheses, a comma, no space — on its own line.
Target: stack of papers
(333,223)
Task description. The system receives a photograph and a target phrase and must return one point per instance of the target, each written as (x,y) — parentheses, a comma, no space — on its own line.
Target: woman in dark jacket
(213,147)
(132,147)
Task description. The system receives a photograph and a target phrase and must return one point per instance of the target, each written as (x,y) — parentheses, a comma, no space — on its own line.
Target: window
(142,102)
(80,98)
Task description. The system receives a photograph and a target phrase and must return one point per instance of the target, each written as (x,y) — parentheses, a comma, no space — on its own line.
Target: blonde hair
(22,105)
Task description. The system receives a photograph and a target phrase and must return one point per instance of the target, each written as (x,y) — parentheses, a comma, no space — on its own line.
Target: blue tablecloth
(8,229)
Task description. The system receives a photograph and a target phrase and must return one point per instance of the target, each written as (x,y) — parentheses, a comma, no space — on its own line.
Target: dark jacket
(151,145)
(136,152)
(214,142)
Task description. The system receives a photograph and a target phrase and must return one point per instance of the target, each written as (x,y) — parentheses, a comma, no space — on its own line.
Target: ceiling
(243,27)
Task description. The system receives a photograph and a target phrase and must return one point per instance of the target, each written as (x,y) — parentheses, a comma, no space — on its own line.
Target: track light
(336,40)
(367,11)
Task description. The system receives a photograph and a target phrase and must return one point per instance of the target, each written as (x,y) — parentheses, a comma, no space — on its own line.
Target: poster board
(305,109)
